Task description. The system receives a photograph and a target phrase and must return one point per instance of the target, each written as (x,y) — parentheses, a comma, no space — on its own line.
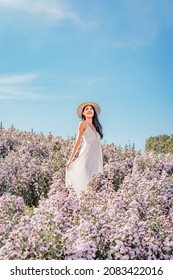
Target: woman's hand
(68,163)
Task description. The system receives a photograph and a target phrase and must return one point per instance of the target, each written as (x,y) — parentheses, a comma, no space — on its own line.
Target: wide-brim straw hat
(81,106)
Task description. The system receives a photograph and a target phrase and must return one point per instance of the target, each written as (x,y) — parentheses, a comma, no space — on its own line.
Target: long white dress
(88,162)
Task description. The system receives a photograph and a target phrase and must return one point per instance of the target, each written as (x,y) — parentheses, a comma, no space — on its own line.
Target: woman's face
(88,111)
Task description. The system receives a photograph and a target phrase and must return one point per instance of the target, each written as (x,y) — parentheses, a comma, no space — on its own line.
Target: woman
(89,161)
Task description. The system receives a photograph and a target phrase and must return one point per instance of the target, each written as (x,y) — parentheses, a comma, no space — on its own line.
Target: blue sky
(55,55)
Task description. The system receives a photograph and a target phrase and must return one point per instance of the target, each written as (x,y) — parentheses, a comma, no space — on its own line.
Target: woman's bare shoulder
(82,125)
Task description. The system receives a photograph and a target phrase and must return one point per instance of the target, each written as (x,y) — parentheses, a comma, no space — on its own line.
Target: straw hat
(81,106)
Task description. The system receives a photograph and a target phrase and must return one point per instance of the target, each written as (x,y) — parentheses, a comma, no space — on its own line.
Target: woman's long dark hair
(95,121)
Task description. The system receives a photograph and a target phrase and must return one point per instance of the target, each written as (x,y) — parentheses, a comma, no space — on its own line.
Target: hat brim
(81,106)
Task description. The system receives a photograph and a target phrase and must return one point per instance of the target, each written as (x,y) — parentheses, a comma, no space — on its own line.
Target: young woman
(89,161)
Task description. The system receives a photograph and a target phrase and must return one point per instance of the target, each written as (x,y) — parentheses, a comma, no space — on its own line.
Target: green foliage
(117,181)
(160,144)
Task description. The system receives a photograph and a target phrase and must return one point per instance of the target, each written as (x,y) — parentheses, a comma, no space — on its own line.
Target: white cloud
(18,86)
(16,93)
(30,93)
(17,79)
(55,10)
(24,87)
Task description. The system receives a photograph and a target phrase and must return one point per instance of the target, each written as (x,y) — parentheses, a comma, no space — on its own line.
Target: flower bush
(125,213)
(27,165)
(11,210)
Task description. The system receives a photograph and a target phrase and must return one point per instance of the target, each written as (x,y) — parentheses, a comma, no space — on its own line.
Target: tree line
(160,144)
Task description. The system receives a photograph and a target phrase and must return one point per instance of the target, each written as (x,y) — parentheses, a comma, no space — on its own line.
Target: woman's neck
(89,120)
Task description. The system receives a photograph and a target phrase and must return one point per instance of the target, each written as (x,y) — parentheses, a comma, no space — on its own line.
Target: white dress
(88,162)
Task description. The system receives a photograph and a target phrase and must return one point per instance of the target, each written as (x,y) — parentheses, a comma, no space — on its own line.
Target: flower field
(126,212)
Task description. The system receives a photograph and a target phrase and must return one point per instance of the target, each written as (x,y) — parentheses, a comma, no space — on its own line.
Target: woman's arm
(81,129)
